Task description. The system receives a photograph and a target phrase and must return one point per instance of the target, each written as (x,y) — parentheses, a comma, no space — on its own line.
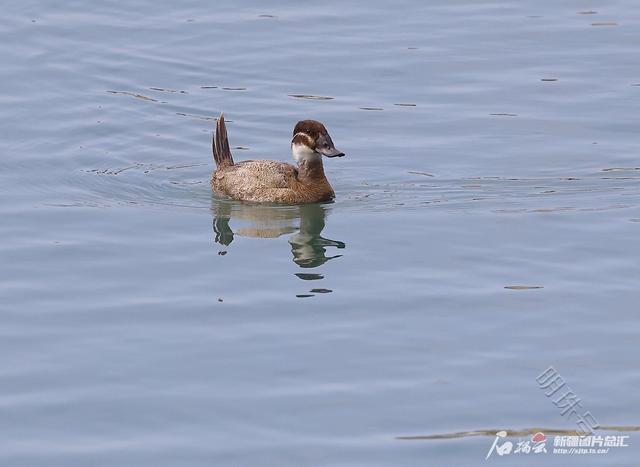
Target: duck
(268,181)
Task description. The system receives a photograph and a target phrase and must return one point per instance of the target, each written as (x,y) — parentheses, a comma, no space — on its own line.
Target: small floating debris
(115,171)
(311,97)
(306,276)
(548,79)
(146,168)
(523,287)
(371,108)
(168,90)
(241,148)
(201,117)
(183,166)
(412,48)
(321,290)
(558,209)
(305,295)
(133,94)
(208,87)
(234,89)
(267,16)
(405,105)
(220,300)
(503,115)
(588,12)
(427,174)
(620,178)
(604,23)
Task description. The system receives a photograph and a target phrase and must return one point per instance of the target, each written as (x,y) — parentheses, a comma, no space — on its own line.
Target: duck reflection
(308,247)
(306,223)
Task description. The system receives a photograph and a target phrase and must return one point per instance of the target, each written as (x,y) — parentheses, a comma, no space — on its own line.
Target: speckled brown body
(272,181)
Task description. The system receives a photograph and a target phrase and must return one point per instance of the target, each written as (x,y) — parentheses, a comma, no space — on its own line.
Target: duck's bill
(330,152)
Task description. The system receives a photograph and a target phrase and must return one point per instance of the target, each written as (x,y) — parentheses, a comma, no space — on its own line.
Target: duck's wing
(267,174)
(254,180)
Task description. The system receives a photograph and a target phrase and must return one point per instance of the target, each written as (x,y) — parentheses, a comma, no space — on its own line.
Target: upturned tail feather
(220,144)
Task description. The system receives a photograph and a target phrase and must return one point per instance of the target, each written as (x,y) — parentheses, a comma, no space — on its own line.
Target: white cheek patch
(303,153)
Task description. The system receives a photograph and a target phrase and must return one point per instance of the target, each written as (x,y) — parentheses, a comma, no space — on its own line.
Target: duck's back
(254,180)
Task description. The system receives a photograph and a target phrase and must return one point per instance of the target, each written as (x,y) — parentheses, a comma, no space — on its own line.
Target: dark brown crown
(312,128)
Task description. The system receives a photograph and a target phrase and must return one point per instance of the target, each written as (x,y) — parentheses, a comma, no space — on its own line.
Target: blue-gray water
(145,323)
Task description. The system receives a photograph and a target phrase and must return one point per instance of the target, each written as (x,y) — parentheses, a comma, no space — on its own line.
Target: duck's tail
(220,144)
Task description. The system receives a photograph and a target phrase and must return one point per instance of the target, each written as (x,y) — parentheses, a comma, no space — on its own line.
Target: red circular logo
(539,437)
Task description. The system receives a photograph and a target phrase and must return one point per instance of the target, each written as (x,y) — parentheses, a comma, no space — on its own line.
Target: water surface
(485,227)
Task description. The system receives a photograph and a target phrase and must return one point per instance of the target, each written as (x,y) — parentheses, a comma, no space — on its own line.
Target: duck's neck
(309,162)
(311,169)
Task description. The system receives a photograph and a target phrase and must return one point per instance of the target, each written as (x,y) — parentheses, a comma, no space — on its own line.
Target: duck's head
(311,140)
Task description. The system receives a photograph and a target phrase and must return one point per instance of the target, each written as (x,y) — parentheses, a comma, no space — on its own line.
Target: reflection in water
(306,223)
(307,245)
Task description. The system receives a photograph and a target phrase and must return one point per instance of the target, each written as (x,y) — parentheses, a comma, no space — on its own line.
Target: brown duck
(273,181)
